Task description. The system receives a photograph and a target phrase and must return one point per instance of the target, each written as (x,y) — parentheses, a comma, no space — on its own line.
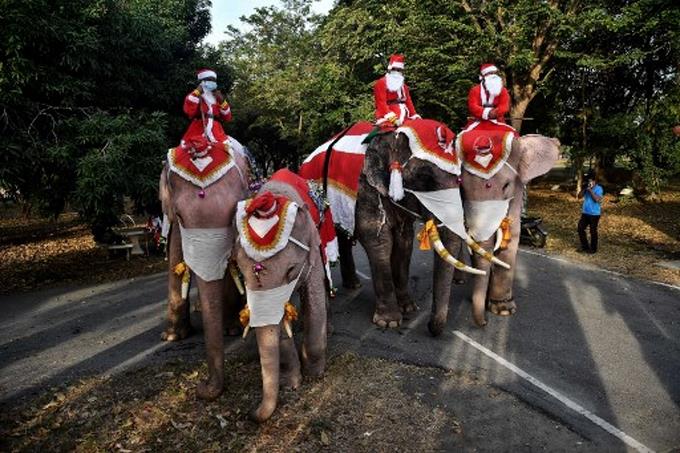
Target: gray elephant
(200,186)
(278,251)
(493,185)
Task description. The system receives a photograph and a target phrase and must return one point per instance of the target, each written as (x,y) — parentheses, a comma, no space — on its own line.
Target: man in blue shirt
(592,194)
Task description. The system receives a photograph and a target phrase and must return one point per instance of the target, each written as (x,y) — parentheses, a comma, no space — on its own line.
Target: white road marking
(362,275)
(613,430)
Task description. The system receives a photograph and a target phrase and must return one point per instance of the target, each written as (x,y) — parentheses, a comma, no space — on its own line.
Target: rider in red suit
(393,102)
(489,100)
(204,106)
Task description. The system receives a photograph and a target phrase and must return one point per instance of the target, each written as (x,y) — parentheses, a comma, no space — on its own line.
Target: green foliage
(83,75)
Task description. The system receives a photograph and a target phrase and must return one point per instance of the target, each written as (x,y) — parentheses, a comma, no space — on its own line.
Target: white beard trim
(207,250)
(396,190)
(484,217)
(447,206)
(267,306)
(395,81)
(494,84)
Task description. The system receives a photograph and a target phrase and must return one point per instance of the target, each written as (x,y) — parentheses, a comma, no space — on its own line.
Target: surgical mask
(209,85)
(446,205)
(484,217)
(267,306)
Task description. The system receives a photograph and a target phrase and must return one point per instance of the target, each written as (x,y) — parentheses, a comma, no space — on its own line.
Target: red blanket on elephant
(323,219)
(432,141)
(485,146)
(346,162)
(201,171)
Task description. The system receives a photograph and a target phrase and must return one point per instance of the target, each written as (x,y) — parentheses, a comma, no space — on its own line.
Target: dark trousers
(591,221)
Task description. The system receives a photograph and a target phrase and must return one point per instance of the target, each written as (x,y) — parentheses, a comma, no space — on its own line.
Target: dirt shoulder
(633,236)
(361,404)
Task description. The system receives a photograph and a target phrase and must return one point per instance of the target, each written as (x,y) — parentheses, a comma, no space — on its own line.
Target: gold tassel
(424,235)
(507,235)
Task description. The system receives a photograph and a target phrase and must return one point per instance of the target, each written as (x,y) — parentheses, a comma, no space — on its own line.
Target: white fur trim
(485,113)
(251,249)
(193,98)
(207,73)
(332,250)
(396,64)
(485,71)
(343,208)
(420,153)
(226,111)
(396,185)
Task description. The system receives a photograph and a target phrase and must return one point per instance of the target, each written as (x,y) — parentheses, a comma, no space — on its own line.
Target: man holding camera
(592,194)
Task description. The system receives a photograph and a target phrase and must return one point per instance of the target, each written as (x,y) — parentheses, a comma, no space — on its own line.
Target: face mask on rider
(209,85)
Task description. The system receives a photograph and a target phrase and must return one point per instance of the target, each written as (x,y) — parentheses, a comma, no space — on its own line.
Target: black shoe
(592,252)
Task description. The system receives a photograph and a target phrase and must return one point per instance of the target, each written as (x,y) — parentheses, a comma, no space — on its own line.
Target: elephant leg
(480,286)
(233,303)
(348,270)
(402,250)
(213,325)
(268,347)
(290,377)
(463,255)
(313,298)
(444,274)
(179,324)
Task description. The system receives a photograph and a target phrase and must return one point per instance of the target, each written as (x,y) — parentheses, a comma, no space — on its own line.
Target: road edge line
(613,430)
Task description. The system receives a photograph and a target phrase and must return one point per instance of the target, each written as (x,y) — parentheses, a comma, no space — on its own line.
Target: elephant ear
(538,155)
(309,233)
(376,163)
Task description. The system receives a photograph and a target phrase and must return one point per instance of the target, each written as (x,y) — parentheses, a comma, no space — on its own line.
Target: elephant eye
(291,274)
(506,185)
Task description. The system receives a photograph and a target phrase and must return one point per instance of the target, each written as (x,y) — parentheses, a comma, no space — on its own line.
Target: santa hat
(487,68)
(204,73)
(263,206)
(396,62)
(198,142)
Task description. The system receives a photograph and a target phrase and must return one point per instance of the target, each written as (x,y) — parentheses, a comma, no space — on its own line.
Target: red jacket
(194,104)
(480,103)
(389,104)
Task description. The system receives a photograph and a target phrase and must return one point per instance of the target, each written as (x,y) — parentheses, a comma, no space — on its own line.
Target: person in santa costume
(205,106)
(393,102)
(489,100)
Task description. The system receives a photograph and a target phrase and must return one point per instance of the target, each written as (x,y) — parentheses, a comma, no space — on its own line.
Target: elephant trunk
(268,347)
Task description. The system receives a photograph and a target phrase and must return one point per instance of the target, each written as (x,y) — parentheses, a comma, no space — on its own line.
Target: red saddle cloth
(201,171)
(432,141)
(473,144)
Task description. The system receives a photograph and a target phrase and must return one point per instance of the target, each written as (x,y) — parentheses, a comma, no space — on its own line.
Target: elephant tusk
(431,229)
(245,331)
(237,280)
(483,253)
(288,328)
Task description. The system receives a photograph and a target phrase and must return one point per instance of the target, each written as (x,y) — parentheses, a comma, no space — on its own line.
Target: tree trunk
(519,107)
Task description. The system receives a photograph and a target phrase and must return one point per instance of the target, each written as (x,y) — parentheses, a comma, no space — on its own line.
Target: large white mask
(267,306)
(484,217)
(446,205)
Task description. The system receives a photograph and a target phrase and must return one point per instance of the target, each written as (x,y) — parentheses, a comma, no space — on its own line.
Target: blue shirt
(590,206)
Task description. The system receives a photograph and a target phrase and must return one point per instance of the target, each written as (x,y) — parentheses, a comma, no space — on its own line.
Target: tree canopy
(91,90)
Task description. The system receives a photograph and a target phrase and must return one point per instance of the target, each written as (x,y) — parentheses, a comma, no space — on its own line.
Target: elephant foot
(408,307)
(436,326)
(391,320)
(176,333)
(352,283)
(262,412)
(291,380)
(314,370)
(209,390)
(505,307)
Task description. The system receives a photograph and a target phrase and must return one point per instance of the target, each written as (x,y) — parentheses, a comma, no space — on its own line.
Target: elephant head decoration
(278,251)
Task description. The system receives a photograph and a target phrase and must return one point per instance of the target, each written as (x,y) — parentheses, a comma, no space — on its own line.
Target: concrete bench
(126,247)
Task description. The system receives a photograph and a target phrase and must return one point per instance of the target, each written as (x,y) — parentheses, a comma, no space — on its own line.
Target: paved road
(606,343)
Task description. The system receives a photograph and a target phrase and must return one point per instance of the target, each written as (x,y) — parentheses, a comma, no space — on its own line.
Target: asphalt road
(583,341)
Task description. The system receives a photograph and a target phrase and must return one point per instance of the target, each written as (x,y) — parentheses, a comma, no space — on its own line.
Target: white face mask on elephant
(447,206)
(484,217)
(267,306)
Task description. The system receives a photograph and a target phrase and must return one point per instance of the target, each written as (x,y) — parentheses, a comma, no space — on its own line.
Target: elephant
(200,203)
(491,198)
(384,217)
(272,269)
